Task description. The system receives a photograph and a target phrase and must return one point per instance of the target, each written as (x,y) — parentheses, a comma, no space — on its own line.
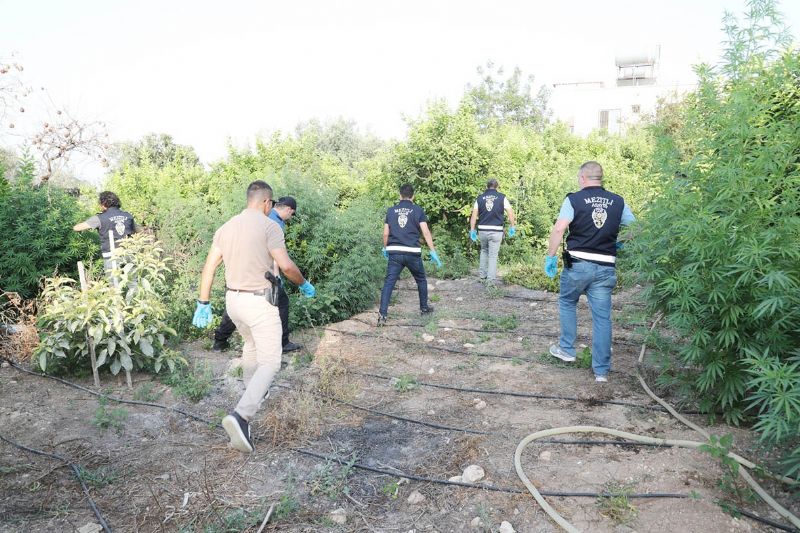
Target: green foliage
(499,101)
(332,478)
(99,477)
(156,149)
(615,503)
(146,393)
(38,238)
(193,383)
(126,324)
(501,322)
(532,276)
(583,359)
(391,489)
(729,279)
(105,418)
(405,383)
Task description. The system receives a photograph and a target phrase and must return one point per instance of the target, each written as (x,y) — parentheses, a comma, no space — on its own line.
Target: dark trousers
(227,327)
(397,262)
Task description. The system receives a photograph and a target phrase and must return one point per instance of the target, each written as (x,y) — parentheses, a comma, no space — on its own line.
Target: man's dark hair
(258,190)
(109,199)
(407,191)
(492,184)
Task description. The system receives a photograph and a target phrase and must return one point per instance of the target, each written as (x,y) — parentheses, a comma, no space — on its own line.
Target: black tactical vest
(491,211)
(595,225)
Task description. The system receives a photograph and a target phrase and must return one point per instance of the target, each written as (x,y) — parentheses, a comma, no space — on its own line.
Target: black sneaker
(238,430)
(221,346)
(381,320)
(291,347)
(426,311)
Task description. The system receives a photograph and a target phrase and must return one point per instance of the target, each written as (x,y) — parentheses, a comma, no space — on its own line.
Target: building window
(603,120)
(636,109)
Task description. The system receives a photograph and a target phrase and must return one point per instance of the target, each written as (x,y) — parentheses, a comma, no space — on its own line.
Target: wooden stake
(111,248)
(89,340)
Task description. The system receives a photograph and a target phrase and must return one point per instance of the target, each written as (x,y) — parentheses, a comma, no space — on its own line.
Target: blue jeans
(397,262)
(596,282)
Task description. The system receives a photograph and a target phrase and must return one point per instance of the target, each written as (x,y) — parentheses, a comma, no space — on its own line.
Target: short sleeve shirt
(245,242)
(93,222)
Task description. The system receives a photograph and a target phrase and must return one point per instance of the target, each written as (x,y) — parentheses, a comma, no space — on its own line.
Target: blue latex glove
(435,259)
(620,245)
(551,266)
(308,289)
(202,315)
(473,235)
(385,253)
(512,231)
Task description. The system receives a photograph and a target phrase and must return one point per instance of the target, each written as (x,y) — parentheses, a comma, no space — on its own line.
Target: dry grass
(294,418)
(20,344)
(333,379)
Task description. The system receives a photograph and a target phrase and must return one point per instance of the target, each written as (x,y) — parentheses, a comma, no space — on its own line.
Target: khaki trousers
(259,324)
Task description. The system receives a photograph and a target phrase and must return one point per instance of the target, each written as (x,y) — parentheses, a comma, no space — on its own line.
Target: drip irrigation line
(510,490)
(427,346)
(75,470)
(589,401)
(112,398)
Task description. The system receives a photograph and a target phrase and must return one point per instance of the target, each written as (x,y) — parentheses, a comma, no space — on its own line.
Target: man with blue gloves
(401,230)
(252,247)
(488,212)
(283,211)
(593,216)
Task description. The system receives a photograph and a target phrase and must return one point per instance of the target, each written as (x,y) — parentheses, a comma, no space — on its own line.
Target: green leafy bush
(720,249)
(38,240)
(126,324)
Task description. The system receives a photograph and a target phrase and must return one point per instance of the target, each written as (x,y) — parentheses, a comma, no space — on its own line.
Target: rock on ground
(472,474)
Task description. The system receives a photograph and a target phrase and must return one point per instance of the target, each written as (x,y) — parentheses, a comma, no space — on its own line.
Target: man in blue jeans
(593,216)
(401,229)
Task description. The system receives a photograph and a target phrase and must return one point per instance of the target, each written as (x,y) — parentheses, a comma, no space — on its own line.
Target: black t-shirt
(404,220)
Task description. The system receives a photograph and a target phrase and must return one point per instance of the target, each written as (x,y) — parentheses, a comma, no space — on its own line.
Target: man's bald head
(591,171)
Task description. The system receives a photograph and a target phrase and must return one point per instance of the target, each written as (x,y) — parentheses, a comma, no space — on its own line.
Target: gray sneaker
(556,351)
(601,379)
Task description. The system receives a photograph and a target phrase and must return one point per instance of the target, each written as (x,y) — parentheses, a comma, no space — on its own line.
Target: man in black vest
(111,218)
(488,211)
(593,216)
(402,226)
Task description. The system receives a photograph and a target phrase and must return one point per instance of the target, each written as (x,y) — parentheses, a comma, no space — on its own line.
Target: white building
(617,102)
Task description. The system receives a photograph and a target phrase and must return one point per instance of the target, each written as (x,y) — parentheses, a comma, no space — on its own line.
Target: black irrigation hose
(509,490)
(430,347)
(75,471)
(112,398)
(589,401)
(106,528)
(519,332)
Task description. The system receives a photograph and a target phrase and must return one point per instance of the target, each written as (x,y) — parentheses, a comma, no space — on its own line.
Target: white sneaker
(556,351)
(601,379)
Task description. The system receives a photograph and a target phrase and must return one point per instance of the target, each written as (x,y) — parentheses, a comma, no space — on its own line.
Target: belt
(259,292)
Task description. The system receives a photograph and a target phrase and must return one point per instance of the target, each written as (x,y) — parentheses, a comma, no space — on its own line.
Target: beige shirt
(245,241)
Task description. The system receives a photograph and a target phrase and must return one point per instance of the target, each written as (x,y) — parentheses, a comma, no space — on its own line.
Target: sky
(211,72)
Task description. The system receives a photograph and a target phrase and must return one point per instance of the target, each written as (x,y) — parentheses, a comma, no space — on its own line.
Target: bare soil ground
(161,471)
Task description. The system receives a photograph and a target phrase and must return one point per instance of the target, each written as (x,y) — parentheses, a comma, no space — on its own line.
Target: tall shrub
(721,247)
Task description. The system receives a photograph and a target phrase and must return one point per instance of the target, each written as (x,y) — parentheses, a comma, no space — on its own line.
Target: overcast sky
(206,71)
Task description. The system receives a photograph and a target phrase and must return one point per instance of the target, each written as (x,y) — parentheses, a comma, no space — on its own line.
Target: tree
(500,101)
(159,149)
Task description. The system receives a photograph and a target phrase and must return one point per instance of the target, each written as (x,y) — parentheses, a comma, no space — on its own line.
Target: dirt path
(159,471)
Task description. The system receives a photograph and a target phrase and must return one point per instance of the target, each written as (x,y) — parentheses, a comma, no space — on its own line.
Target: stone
(4,364)
(441,341)
(476,523)
(431,371)
(505,527)
(456,479)
(472,474)
(339,516)
(460,299)
(91,527)
(415,497)
(480,404)
(427,337)
(545,455)
(468,345)
(447,329)
(431,412)
(164,477)
(12,382)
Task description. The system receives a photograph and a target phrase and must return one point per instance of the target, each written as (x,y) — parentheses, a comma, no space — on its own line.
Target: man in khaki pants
(250,244)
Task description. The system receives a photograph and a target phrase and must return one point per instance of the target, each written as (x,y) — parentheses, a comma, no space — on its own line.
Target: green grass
(146,393)
(617,507)
(105,418)
(501,322)
(192,383)
(99,477)
(332,478)
(405,383)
